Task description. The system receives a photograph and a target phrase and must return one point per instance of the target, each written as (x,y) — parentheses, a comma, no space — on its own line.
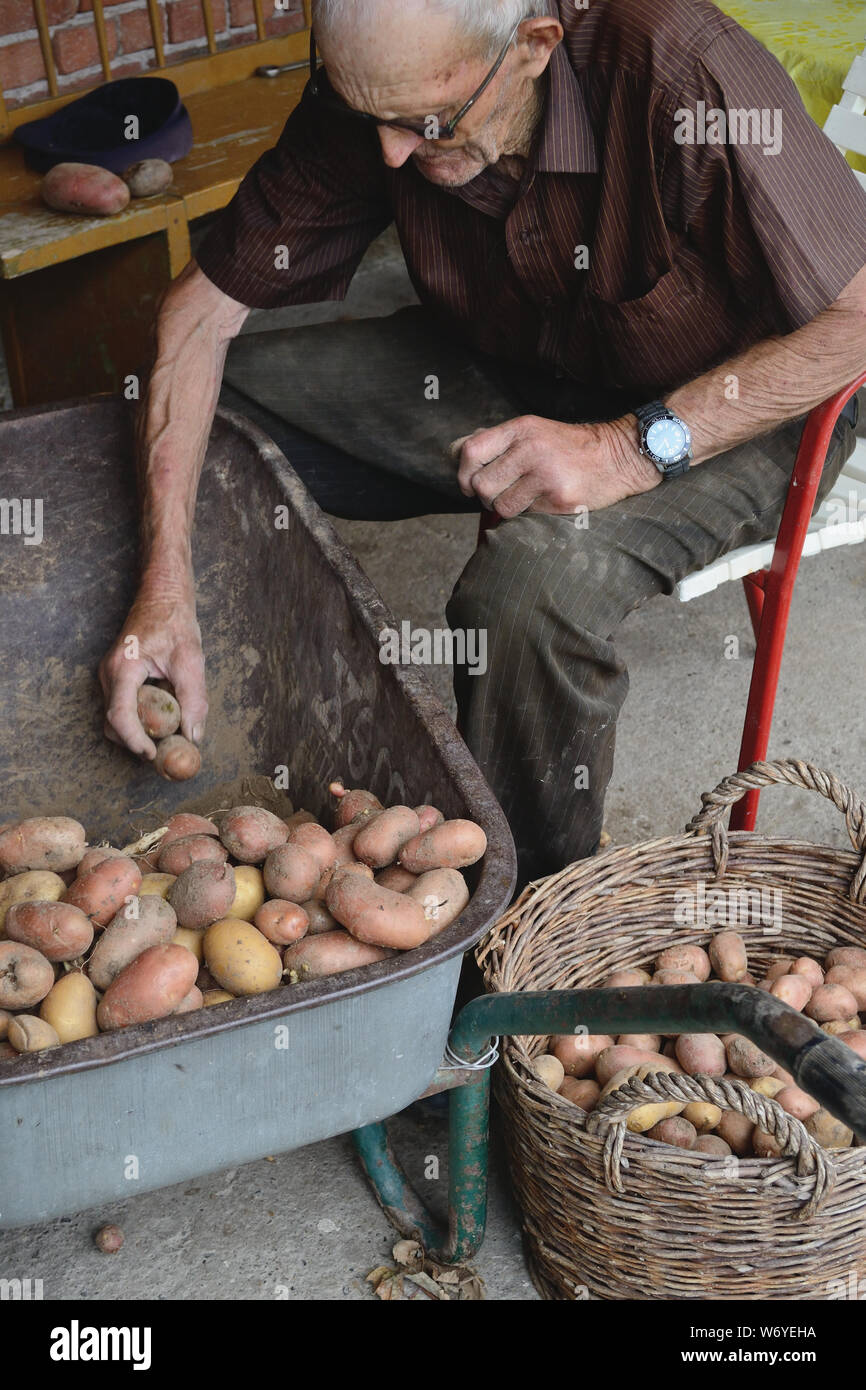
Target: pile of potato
(586,1068)
(98,939)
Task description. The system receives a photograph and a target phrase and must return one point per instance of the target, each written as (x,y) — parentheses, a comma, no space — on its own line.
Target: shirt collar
(567,144)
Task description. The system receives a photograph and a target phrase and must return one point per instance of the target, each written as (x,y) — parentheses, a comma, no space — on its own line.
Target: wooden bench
(78,294)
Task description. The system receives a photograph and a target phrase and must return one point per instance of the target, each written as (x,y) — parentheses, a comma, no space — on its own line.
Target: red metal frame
(769,592)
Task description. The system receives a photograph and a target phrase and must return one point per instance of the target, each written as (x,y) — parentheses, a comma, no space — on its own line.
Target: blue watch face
(668,440)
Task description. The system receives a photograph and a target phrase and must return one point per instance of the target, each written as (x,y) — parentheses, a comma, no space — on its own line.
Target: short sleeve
(772,201)
(304,215)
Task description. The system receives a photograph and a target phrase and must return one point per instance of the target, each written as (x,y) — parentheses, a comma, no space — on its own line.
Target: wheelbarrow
(291,628)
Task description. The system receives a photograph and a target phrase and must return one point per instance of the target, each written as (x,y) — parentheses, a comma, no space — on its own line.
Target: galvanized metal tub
(290,626)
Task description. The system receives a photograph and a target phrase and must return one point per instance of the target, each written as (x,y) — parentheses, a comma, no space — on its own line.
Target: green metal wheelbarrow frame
(831,1072)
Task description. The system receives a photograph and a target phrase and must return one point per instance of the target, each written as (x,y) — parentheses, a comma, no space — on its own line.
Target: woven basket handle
(611,1114)
(796,774)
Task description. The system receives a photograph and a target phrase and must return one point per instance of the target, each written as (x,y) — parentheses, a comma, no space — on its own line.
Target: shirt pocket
(677,330)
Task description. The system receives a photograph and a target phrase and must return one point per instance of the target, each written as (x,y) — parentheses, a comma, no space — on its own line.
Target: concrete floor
(306,1222)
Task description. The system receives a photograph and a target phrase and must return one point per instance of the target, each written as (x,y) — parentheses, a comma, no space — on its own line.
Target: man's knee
(540,577)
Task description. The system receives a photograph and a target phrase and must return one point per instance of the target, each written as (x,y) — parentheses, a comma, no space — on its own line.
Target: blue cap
(91,130)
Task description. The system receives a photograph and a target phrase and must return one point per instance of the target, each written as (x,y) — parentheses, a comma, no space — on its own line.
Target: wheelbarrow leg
(469,1120)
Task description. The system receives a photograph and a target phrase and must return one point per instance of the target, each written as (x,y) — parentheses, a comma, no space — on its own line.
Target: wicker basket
(613,1215)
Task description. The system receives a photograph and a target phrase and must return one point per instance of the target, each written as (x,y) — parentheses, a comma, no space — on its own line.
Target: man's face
(415,67)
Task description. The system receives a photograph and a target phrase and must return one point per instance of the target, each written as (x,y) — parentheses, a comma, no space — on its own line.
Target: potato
(779,967)
(578,1051)
(102,892)
(344,839)
(70,1007)
(202,894)
(856,1039)
(141,923)
(192,940)
(281,922)
(674,977)
(380,841)
(320,843)
(854,980)
(644,1117)
(453,845)
(375,915)
(830,1002)
(151,986)
(846,955)
(549,1069)
(216,996)
(779,1071)
(647,1042)
(4,1024)
(727,953)
(177,760)
(329,953)
(584,1093)
(291,873)
(690,958)
(676,1130)
(767,1085)
(810,969)
(702,1115)
(84,188)
(190,1002)
(240,958)
(713,1145)
(186,823)
(612,1060)
(737,1131)
(795,990)
(745,1059)
(42,842)
(96,856)
(30,1034)
(765,1145)
(428,817)
(192,849)
(249,833)
(146,179)
(156,885)
(321,920)
(828,1131)
(626,979)
(354,803)
(796,1102)
(399,880)
(839,1026)
(58,930)
(701,1054)
(158,712)
(442,893)
(25,976)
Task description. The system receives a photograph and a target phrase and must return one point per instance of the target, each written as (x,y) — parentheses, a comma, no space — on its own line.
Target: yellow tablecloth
(815,40)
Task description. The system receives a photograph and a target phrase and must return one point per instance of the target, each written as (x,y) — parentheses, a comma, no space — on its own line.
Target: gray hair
(487,22)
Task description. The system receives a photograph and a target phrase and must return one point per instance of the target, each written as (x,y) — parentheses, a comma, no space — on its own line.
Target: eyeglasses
(444,129)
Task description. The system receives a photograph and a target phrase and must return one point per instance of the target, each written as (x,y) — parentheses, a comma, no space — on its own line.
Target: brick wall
(74,46)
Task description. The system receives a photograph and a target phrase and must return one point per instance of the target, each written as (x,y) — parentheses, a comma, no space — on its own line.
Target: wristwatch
(665,439)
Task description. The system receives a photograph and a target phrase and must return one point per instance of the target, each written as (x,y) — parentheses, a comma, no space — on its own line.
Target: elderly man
(639,264)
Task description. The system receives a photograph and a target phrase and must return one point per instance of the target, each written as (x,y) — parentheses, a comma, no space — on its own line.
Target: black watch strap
(647,413)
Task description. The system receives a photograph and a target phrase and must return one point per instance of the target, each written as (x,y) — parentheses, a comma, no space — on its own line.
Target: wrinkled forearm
(196,323)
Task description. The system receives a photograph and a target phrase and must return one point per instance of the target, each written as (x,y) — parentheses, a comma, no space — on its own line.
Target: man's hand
(536,465)
(160,639)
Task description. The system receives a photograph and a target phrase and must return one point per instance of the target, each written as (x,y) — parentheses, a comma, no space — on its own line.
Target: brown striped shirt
(694,249)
